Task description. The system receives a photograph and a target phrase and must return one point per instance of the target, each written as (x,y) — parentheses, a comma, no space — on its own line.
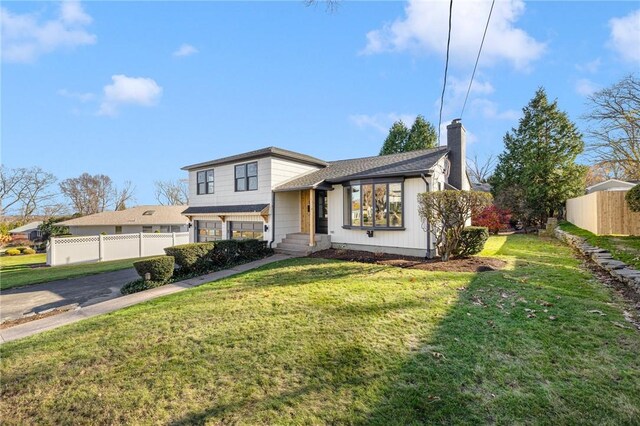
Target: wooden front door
(305,207)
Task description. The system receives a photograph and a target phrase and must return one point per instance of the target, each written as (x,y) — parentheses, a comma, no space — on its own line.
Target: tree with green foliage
(50,228)
(539,162)
(396,139)
(422,135)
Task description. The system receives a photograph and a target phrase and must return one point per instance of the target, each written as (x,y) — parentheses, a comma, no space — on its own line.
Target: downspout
(428,255)
(273,218)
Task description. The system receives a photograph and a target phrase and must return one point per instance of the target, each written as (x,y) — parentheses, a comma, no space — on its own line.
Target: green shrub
(160,268)
(28,251)
(633,198)
(472,240)
(140,285)
(13,252)
(190,257)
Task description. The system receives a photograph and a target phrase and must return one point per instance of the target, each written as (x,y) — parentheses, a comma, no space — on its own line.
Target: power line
(477,58)
(446,69)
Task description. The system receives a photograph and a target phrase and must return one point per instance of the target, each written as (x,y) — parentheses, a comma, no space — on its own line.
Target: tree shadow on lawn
(513,351)
(501,354)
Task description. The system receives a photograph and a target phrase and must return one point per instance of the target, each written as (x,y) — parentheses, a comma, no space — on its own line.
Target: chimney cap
(456,121)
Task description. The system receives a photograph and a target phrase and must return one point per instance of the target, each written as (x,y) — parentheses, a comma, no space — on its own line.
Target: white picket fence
(100,248)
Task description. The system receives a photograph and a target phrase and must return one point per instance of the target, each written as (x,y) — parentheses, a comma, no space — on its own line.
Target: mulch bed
(467,264)
(29,318)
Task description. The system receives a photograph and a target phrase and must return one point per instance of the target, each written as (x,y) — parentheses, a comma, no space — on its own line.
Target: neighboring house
(300,203)
(129,221)
(29,231)
(611,185)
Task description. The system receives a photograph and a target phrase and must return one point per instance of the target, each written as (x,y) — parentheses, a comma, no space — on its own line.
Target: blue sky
(136,90)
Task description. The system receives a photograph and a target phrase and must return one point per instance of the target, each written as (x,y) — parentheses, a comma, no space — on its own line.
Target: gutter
(428,255)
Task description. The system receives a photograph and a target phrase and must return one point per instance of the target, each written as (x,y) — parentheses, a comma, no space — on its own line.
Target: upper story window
(374,205)
(205,182)
(246,176)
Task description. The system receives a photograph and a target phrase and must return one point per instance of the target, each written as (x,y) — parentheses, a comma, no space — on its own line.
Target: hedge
(12,252)
(140,285)
(190,257)
(28,251)
(633,198)
(472,240)
(159,268)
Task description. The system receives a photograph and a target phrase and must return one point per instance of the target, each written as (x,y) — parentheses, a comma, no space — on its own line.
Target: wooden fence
(603,213)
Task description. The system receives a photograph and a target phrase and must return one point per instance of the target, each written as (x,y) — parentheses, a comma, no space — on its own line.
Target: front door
(322,212)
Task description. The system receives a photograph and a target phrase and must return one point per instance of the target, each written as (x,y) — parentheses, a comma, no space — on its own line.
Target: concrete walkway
(49,323)
(72,292)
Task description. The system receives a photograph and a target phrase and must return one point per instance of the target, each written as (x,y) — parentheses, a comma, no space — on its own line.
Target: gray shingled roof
(271,151)
(241,208)
(411,163)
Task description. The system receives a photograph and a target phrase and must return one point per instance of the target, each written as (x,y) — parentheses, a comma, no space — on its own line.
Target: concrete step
(295,247)
(293,241)
(291,252)
(305,237)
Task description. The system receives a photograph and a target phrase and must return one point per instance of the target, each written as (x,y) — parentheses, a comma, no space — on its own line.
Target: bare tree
(94,194)
(331,6)
(602,171)
(614,135)
(480,172)
(172,192)
(123,196)
(27,190)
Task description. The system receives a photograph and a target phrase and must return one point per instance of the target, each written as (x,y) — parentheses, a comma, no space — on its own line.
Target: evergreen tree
(400,139)
(395,141)
(539,162)
(422,135)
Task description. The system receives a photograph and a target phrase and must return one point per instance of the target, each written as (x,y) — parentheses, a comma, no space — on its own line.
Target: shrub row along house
(299,203)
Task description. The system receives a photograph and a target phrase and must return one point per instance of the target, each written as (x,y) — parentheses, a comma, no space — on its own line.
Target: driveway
(84,291)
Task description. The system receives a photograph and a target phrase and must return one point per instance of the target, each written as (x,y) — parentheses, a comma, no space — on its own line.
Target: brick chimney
(457,144)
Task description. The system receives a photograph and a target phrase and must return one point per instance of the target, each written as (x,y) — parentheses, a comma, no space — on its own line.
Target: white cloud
(25,38)
(381,121)
(586,87)
(625,36)
(185,50)
(458,87)
(424,28)
(490,110)
(590,67)
(82,97)
(129,90)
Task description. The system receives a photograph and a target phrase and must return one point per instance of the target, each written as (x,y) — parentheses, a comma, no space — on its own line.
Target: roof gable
(271,151)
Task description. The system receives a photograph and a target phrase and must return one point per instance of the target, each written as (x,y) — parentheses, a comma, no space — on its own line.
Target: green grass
(311,341)
(21,262)
(15,271)
(623,248)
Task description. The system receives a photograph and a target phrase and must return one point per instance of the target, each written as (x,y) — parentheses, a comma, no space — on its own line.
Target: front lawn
(624,248)
(313,341)
(19,275)
(21,262)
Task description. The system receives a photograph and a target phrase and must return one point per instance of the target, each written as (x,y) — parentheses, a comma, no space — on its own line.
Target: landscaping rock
(613,264)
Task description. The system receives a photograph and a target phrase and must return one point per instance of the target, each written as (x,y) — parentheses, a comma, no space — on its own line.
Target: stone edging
(617,269)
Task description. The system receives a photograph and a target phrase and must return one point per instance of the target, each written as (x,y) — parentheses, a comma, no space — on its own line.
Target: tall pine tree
(422,135)
(395,141)
(537,172)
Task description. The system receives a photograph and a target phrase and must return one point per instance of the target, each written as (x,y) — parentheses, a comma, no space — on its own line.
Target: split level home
(130,221)
(298,203)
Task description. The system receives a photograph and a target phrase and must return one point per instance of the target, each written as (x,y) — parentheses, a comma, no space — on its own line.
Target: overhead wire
(475,67)
(446,69)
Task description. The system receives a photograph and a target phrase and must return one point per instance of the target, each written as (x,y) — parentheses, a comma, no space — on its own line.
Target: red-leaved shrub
(492,217)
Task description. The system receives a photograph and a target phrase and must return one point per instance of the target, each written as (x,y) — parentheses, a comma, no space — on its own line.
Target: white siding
(287,214)
(224,186)
(284,170)
(413,236)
